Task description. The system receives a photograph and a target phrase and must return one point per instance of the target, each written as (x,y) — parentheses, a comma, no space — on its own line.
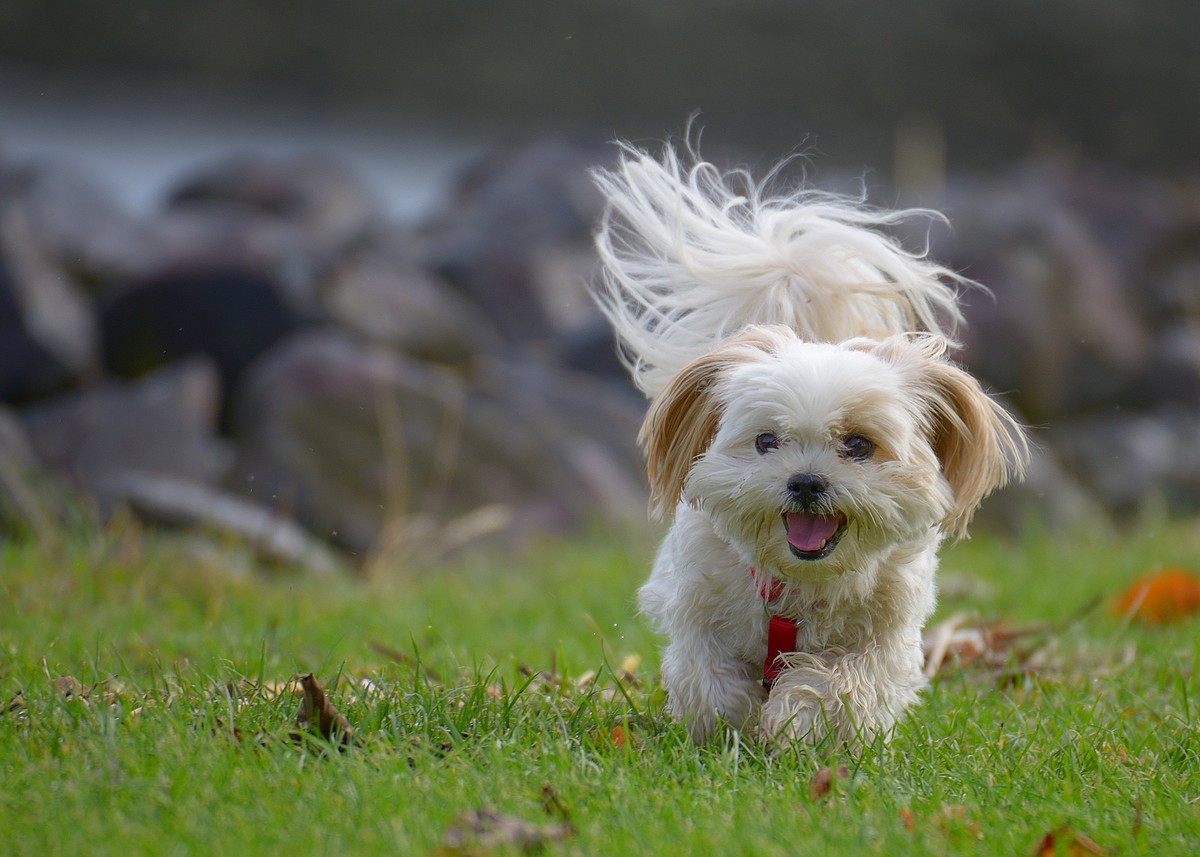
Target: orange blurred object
(1162,596)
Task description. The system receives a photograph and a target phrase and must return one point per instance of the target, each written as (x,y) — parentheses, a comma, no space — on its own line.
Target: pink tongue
(807,532)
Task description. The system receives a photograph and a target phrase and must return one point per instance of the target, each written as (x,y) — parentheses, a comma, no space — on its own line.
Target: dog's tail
(692,255)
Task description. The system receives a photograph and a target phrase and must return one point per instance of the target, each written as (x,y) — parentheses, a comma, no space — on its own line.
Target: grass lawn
(150,707)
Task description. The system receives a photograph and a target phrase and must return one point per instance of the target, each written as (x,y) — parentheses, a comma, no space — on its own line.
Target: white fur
(691,256)
(741,314)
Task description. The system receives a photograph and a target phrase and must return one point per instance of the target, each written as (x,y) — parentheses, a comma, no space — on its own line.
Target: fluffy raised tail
(692,255)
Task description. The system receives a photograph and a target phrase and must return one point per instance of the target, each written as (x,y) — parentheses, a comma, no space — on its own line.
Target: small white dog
(812,446)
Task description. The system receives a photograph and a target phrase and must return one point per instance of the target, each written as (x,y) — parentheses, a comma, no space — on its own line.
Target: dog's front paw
(799,709)
(848,700)
(702,706)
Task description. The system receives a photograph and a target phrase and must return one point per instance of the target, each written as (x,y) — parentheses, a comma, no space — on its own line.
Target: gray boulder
(289,217)
(163,424)
(228,313)
(379,292)
(514,235)
(78,224)
(1130,459)
(366,445)
(29,502)
(48,336)
(175,502)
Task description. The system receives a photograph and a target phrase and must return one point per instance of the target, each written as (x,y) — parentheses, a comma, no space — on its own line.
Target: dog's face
(812,457)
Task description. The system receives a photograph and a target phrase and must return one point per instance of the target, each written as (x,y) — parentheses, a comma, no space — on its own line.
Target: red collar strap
(781,632)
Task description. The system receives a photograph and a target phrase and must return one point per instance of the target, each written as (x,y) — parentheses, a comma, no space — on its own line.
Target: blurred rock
(592,348)
(379,292)
(163,424)
(579,433)
(515,236)
(182,503)
(1049,497)
(47,330)
(229,314)
(28,502)
(1129,459)
(1169,298)
(78,225)
(1058,333)
(1092,327)
(359,442)
(292,217)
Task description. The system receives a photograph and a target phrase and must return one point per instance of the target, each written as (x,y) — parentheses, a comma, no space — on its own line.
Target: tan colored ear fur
(683,418)
(980,446)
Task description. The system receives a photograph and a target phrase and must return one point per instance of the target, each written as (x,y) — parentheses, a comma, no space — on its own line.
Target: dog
(807,438)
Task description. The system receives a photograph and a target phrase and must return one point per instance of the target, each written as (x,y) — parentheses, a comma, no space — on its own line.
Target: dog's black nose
(807,488)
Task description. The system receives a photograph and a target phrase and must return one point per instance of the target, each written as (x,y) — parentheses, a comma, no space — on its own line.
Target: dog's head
(809,456)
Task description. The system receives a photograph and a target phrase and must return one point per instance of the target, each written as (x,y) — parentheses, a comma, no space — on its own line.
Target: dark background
(1112,81)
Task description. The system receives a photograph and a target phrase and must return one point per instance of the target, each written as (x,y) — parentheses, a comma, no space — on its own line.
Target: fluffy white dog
(806,433)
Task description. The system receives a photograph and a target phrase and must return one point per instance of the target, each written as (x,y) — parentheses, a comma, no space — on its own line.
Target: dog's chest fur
(700,578)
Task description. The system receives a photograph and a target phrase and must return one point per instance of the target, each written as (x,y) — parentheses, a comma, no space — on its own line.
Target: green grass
(178,737)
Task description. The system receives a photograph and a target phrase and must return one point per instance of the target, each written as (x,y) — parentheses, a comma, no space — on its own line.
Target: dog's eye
(765,442)
(857,447)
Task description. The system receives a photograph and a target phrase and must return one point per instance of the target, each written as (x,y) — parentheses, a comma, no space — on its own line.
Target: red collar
(781,632)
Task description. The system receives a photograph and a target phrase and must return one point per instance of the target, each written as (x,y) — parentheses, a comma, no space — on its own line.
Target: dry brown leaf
(622,736)
(953,818)
(1063,840)
(988,645)
(221,728)
(16,704)
(952,821)
(69,687)
(1159,597)
(485,828)
(823,781)
(554,805)
(317,710)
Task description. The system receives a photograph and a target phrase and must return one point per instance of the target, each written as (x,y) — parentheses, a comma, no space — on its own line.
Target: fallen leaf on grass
(823,781)
(554,805)
(1162,596)
(221,728)
(484,828)
(69,687)
(1063,840)
(987,645)
(622,736)
(1119,755)
(317,710)
(952,821)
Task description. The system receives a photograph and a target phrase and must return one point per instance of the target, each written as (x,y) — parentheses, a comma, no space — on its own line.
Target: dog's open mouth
(813,536)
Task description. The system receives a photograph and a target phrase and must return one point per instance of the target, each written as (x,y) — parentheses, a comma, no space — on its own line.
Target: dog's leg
(706,683)
(849,698)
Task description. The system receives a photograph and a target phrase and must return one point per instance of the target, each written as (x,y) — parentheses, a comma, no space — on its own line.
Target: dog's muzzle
(813,531)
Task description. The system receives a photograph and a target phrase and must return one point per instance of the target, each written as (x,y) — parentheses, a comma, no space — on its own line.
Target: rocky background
(269,353)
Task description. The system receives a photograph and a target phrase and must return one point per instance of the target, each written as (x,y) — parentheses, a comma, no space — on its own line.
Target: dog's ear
(683,418)
(978,444)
